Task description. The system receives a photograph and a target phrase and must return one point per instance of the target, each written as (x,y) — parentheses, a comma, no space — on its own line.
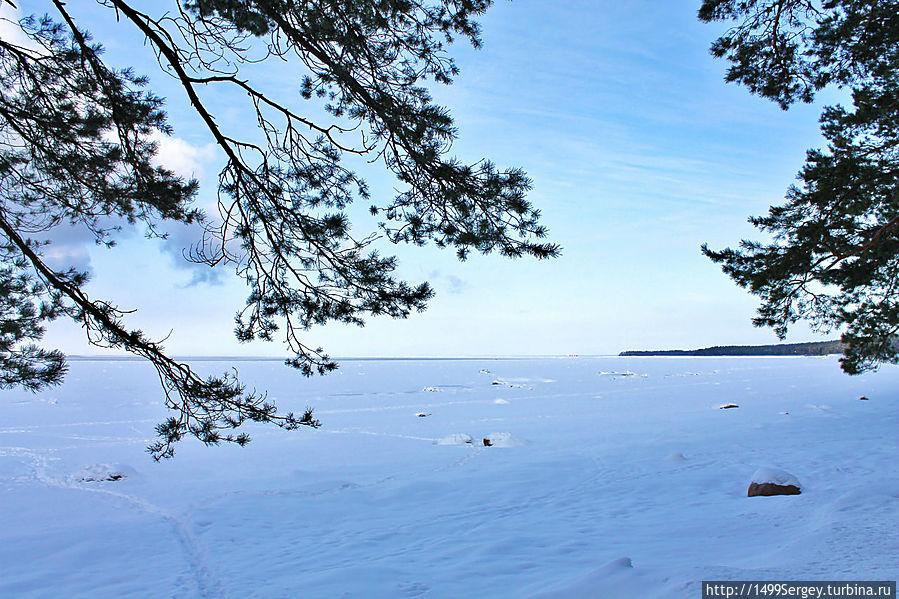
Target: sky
(638,150)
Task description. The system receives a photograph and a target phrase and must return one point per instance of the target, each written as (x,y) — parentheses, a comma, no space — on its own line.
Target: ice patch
(501,402)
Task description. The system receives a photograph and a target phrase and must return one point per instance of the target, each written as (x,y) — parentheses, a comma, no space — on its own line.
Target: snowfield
(604,477)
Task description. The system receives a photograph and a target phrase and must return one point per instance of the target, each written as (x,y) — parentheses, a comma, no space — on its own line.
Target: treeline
(814,348)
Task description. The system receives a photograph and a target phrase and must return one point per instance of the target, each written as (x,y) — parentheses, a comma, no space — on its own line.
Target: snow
(593,485)
(454,439)
(774,476)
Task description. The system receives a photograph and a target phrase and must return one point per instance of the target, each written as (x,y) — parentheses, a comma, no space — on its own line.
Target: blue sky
(639,153)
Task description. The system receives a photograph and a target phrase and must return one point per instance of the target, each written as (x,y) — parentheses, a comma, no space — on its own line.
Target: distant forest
(816,348)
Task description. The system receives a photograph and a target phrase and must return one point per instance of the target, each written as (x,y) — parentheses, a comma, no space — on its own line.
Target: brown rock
(769,489)
(728,406)
(863,398)
(487,442)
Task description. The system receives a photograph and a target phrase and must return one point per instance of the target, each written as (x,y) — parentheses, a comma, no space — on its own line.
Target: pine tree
(76,147)
(834,258)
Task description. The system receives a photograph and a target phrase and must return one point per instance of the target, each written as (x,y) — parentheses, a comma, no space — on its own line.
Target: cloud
(449,283)
(182,240)
(68,248)
(191,162)
(183,158)
(10,31)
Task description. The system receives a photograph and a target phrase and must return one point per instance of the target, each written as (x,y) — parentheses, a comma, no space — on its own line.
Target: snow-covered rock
(771,481)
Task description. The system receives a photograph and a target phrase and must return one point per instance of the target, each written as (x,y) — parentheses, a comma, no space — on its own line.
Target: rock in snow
(728,406)
(771,481)
(501,440)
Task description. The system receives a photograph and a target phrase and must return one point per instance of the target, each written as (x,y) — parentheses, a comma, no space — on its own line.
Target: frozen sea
(605,477)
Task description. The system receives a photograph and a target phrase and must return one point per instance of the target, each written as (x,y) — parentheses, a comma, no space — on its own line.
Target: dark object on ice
(863,398)
(496,383)
(100,478)
(769,489)
(487,442)
(728,406)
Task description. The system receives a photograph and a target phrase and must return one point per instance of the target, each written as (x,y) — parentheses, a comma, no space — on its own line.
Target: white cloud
(70,246)
(183,158)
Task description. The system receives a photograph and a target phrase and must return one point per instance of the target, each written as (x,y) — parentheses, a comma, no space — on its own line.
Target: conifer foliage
(76,147)
(834,258)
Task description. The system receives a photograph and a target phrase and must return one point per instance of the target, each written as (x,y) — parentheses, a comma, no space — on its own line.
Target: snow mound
(676,457)
(102,473)
(615,373)
(502,440)
(501,402)
(454,439)
(774,476)
(626,374)
(502,383)
(617,578)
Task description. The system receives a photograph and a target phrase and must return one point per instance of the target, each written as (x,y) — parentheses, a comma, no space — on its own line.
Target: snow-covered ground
(605,477)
